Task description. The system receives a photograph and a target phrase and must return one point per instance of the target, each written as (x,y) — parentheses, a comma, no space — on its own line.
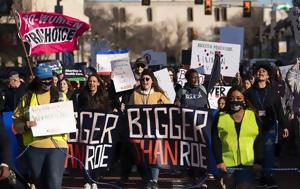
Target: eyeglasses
(140,65)
(145,78)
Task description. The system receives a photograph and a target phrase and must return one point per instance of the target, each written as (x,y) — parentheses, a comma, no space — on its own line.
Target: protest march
(214,119)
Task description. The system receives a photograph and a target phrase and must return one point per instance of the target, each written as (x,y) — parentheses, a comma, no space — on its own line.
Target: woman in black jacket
(267,103)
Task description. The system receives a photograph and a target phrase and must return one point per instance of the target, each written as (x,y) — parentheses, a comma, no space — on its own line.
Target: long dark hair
(100,89)
(240,89)
(99,101)
(155,85)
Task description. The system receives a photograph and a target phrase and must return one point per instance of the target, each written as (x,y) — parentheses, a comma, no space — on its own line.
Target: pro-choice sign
(203,54)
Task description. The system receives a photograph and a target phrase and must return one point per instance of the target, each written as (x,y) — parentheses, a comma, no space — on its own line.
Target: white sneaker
(94,186)
(87,186)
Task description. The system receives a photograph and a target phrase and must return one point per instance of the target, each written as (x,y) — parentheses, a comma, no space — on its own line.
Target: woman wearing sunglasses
(148,93)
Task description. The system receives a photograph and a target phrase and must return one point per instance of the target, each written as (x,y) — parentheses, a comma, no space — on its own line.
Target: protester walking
(94,97)
(148,93)
(46,155)
(237,141)
(267,103)
(193,95)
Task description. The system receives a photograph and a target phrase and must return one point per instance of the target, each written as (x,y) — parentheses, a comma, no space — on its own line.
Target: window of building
(122,15)
(190,17)
(149,14)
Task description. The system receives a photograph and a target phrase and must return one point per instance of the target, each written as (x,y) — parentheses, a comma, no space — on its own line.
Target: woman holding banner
(46,155)
(148,93)
(94,97)
(237,141)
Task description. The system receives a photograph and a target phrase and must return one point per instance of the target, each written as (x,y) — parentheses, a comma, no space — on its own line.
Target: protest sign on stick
(48,33)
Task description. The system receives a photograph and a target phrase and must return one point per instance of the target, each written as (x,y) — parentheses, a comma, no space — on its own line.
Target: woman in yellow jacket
(45,155)
(237,141)
(149,93)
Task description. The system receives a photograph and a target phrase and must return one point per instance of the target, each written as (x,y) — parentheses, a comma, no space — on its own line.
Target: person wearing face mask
(267,104)
(237,141)
(45,155)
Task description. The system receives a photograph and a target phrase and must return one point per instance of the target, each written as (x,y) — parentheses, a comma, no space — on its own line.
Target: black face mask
(46,86)
(236,106)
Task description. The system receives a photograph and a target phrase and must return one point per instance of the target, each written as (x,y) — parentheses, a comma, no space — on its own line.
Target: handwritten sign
(164,81)
(122,75)
(203,54)
(181,77)
(104,59)
(52,119)
(215,94)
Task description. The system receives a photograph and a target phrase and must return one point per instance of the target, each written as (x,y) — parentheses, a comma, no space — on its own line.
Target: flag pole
(13,11)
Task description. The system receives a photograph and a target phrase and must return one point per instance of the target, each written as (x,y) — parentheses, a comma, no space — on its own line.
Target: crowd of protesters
(249,122)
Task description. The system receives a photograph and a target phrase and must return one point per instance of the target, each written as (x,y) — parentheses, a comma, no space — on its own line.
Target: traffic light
(198,2)
(146,2)
(5,6)
(207,7)
(247,9)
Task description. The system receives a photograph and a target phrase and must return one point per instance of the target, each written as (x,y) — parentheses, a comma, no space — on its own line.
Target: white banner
(52,119)
(122,75)
(215,94)
(164,81)
(104,59)
(203,55)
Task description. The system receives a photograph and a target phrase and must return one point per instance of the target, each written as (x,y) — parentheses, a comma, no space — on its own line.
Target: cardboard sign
(155,58)
(164,81)
(52,119)
(181,77)
(122,75)
(203,54)
(215,94)
(104,59)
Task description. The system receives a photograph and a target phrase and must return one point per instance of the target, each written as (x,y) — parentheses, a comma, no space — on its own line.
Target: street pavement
(168,180)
